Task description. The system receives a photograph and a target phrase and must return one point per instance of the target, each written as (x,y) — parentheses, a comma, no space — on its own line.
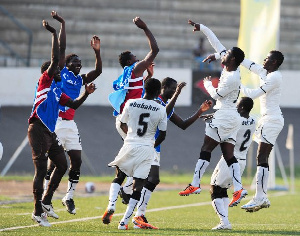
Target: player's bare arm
(147,61)
(150,71)
(54,50)
(184,124)
(92,75)
(161,137)
(209,58)
(78,101)
(173,100)
(61,38)
(124,127)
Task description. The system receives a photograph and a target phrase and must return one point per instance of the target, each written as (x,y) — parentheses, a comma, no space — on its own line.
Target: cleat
(222,226)
(237,197)
(41,220)
(125,197)
(140,222)
(106,218)
(256,204)
(190,190)
(69,204)
(48,209)
(122,226)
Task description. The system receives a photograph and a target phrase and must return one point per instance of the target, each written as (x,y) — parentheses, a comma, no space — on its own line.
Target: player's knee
(204,155)
(74,175)
(150,186)
(120,177)
(217,192)
(154,180)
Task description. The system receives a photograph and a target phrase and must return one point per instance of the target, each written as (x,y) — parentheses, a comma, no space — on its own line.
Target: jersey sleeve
(255,68)
(64,98)
(162,125)
(223,88)
(269,83)
(213,40)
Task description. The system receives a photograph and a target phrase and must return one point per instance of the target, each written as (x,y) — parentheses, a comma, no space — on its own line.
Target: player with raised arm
(170,92)
(225,124)
(42,138)
(269,125)
(66,128)
(131,83)
(139,120)
(221,178)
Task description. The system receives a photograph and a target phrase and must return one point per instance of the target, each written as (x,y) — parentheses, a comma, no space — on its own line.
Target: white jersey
(244,137)
(228,90)
(269,91)
(143,117)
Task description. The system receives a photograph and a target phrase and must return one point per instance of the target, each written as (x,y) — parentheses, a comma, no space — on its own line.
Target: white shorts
(118,124)
(156,159)
(222,174)
(134,160)
(224,126)
(67,132)
(268,129)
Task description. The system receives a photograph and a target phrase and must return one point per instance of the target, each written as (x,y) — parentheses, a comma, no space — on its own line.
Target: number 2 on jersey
(247,137)
(143,123)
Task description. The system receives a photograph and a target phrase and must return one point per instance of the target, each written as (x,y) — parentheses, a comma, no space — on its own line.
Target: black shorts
(43,143)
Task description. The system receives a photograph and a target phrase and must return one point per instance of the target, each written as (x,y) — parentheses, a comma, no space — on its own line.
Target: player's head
(56,75)
(152,87)
(234,55)
(168,86)
(45,66)
(245,105)
(73,63)
(127,59)
(273,60)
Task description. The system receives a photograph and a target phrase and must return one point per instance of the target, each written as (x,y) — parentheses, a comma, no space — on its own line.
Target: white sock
(142,205)
(129,210)
(199,171)
(127,187)
(218,206)
(262,176)
(71,190)
(46,182)
(236,176)
(113,195)
(226,205)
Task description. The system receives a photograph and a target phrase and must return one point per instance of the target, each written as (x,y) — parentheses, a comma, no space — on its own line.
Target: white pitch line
(278,194)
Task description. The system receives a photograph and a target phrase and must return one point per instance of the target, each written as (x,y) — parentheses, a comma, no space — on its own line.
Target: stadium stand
(111,21)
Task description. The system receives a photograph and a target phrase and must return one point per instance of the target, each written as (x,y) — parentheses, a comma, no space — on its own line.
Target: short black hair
(124,57)
(238,54)
(168,81)
(278,56)
(45,66)
(247,103)
(152,86)
(70,57)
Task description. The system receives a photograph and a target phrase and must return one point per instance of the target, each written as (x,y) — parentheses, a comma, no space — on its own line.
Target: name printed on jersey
(143,106)
(248,122)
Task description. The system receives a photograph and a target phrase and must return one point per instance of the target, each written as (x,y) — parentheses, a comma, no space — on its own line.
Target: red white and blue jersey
(48,96)
(159,98)
(71,85)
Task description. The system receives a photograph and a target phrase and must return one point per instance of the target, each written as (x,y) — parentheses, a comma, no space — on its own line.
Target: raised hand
(57,17)
(210,58)
(139,23)
(95,42)
(90,88)
(208,78)
(196,25)
(150,70)
(206,105)
(180,87)
(48,27)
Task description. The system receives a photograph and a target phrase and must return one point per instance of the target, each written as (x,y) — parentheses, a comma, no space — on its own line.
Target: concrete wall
(18,85)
